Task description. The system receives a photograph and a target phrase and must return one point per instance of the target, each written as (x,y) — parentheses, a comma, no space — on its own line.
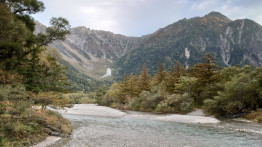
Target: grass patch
(32,127)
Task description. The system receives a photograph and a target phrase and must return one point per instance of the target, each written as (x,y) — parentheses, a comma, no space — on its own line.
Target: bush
(176,103)
(239,95)
(134,104)
(255,116)
(13,92)
(146,101)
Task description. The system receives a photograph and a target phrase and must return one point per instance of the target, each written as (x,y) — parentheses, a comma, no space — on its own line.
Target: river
(102,126)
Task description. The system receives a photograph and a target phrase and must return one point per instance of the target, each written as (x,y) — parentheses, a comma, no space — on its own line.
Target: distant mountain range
(188,40)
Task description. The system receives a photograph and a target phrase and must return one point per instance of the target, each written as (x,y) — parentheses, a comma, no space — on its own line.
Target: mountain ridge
(231,42)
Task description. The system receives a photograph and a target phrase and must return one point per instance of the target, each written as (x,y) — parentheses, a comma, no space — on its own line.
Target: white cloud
(140,17)
(204,4)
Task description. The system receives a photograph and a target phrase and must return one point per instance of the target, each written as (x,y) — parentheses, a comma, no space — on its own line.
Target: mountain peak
(217,15)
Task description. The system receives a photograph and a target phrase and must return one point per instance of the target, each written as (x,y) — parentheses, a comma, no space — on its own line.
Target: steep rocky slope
(90,52)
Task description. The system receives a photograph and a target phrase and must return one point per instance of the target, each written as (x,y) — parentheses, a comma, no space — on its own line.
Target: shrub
(255,116)
(239,95)
(176,103)
(134,104)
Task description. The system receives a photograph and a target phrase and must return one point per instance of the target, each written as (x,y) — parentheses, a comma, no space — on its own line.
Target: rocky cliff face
(188,40)
(92,51)
(96,45)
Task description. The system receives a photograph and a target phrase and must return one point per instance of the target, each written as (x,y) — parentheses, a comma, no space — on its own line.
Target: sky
(142,17)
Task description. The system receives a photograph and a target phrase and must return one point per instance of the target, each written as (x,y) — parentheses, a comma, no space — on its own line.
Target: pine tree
(144,79)
(160,75)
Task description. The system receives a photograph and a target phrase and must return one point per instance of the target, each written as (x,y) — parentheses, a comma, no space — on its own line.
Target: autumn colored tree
(207,74)
(144,79)
(160,75)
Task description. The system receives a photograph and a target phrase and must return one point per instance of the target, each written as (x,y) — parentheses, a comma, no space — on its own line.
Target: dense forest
(224,92)
(30,77)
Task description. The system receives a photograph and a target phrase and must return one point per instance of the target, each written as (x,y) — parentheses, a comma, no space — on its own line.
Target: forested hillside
(232,43)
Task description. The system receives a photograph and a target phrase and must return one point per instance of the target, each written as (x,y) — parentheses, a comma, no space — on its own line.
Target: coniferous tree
(144,79)
(133,86)
(206,74)
(160,75)
(124,89)
(177,71)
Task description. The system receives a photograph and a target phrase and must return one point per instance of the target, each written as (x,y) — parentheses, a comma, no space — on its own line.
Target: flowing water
(102,126)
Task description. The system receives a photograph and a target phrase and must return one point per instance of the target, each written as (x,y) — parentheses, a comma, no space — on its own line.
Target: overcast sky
(141,17)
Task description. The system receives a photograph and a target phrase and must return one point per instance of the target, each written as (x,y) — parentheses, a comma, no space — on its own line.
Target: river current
(101,126)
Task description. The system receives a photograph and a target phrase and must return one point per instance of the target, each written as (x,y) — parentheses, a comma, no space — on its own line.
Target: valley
(195,81)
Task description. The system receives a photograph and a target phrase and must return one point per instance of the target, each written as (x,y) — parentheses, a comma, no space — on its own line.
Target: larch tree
(160,75)
(144,79)
(207,74)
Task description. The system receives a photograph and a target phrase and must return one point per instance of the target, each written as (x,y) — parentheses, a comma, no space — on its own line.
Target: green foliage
(82,82)
(12,92)
(57,31)
(24,6)
(80,97)
(240,94)
(176,103)
(146,101)
(100,95)
(177,72)
(207,75)
(221,92)
(25,70)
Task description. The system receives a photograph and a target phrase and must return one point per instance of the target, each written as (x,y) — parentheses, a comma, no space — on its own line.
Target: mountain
(91,52)
(188,40)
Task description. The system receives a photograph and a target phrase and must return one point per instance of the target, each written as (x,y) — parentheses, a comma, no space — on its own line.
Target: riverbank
(82,113)
(195,117)
(48,141)
(103,126)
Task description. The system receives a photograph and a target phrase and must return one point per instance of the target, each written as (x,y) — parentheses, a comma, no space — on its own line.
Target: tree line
(225,92)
